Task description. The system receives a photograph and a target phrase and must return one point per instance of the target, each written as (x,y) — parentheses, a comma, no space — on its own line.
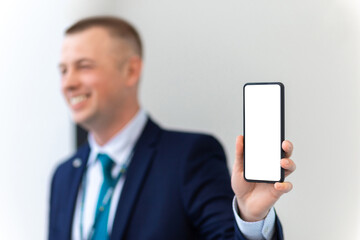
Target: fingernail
(286,162)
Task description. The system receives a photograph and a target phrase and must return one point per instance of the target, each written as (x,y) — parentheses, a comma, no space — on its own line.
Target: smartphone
(263,106)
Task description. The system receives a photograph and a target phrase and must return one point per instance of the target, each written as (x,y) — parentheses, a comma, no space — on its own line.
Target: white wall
(34,124)
(198,55)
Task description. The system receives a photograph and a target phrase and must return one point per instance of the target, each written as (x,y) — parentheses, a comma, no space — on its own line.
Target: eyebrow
(79,61)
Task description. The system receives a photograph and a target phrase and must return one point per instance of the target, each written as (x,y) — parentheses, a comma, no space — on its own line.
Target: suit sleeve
(207,193)
(277,234)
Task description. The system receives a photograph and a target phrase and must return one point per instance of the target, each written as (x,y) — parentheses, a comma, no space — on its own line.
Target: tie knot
(107,164)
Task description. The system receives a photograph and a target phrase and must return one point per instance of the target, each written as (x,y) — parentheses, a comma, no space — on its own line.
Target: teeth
(77,99)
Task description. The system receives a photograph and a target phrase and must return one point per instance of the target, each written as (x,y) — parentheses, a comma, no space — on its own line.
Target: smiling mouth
(78,99)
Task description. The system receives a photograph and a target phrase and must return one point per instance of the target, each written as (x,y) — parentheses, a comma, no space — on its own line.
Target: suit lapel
(144,152)
(77,169)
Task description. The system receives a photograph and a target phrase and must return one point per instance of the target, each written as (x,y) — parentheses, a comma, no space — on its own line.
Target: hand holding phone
(255,198)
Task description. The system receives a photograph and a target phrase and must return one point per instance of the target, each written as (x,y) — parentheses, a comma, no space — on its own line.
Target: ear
(134,67)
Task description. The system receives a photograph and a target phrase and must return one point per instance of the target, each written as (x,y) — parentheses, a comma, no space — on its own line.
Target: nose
(70,81)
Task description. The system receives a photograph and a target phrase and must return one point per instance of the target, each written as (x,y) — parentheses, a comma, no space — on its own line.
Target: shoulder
(190,138)
(179,140)
(77,159)
(185,144)
(156,135)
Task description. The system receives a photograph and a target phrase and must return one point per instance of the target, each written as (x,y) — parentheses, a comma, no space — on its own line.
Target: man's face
(94,76)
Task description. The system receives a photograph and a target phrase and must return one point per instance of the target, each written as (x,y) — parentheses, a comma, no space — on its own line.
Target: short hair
(117,27)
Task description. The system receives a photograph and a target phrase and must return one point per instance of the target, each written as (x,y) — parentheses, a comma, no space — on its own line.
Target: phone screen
(263,131)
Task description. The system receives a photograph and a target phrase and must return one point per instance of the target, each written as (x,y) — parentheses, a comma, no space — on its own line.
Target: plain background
(198,55)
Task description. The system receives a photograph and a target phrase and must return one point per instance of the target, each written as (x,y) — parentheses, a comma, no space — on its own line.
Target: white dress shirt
(260,230)
(119,148)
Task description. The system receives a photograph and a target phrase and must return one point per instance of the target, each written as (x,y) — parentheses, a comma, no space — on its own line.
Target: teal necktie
(103,204)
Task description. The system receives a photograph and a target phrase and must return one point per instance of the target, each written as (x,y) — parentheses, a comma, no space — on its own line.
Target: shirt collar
(121,145)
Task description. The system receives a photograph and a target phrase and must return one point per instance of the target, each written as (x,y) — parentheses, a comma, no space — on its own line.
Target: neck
(107,131)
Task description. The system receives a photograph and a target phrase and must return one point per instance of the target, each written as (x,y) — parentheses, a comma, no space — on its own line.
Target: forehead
(94,42)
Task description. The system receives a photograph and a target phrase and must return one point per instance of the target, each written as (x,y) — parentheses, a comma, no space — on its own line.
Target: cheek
(105,85)
(113,83)
(90,79)
(102,88)
(95,83)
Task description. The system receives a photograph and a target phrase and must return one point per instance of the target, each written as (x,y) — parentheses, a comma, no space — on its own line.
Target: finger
(239,154)
(283,187)
(288,147)
(288,165)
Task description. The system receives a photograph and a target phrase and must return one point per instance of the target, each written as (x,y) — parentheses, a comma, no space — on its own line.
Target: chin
(81,120)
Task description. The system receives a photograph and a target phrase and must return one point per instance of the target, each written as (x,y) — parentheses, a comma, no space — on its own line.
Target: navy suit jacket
(177,187)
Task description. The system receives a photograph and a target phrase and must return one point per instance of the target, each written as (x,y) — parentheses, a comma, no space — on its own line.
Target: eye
(63,71)
(85,66)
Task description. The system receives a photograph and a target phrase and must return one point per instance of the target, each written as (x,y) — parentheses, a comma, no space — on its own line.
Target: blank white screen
(262,132)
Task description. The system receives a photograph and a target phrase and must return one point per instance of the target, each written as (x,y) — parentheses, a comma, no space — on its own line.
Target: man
(133,179)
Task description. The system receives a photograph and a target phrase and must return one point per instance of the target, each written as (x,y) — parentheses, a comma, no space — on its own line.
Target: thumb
(239,154)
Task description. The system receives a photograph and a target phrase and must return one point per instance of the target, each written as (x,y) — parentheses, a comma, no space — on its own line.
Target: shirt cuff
(263,229)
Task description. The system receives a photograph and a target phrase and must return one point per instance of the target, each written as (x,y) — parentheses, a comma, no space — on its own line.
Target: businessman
(133,179)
